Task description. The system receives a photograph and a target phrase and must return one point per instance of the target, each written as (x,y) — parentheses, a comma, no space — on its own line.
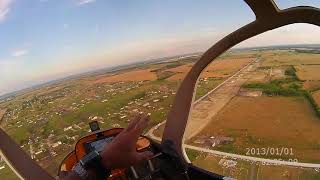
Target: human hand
(121,152)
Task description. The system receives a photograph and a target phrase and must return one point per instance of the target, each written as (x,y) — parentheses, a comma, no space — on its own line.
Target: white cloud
(20,52)
(83,2)
(5,8)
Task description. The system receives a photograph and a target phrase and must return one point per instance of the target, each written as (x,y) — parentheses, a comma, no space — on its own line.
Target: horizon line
(84,73)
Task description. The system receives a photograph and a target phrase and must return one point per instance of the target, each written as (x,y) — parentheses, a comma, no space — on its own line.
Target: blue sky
(41,40)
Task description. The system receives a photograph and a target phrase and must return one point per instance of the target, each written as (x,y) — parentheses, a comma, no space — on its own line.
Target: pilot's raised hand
(121,152)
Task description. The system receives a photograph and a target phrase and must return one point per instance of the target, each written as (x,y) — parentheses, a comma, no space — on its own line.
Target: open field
(311,85)
(285,58)
(308,72)
(7,173)
(216,164)
(228,64)
(316,96)
(220,68)
(266,172)
(136,75)
(250,125)
(244,170)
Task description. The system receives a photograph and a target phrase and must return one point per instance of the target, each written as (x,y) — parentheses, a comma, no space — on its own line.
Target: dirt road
(210,104)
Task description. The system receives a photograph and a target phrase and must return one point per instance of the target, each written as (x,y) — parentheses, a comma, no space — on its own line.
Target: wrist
(105,161)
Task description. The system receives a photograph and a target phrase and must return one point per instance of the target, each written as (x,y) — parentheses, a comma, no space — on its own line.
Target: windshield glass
(256,108)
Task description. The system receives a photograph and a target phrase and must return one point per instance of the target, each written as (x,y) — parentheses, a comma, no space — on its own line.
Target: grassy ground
(192,154)
(211,163)
(286,87)
(242,169)
(308,72)
(8,174)
(285,58)
(206,85)
(295,126)
(291,86)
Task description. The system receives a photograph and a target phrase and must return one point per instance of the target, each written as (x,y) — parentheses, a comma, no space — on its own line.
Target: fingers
(143,156)
(136,127)
(142,124)
(133,122)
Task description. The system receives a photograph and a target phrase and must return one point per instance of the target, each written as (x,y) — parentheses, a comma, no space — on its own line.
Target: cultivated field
(268,122)
(220,68)
(308,72)
(316,96)
(244,170)
(135,75)
(311,85)
(285,58)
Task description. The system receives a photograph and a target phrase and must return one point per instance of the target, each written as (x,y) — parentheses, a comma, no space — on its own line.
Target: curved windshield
(256,113)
